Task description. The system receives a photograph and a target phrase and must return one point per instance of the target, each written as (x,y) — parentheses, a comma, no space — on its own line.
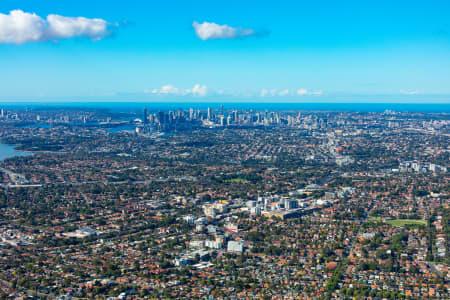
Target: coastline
(18,152)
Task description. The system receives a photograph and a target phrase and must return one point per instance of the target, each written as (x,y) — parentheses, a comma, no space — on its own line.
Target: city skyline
(238,52)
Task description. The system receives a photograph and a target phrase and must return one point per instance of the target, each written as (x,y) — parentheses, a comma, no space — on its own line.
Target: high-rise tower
(145,115)
(209,114)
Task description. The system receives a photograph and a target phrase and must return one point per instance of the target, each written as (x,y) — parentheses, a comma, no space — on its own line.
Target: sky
(236,51)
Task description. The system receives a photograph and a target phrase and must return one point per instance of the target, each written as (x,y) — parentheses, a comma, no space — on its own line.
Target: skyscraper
(162,117)
(145,115)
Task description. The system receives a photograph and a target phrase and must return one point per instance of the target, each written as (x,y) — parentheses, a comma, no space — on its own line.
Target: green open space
(403,222)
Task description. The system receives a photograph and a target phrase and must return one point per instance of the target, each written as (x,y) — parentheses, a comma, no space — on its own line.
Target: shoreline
(14,148)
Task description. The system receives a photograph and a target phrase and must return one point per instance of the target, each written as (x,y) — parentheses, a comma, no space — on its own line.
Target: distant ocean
(164,106)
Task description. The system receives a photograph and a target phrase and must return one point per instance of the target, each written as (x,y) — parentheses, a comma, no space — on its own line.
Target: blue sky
(324,51)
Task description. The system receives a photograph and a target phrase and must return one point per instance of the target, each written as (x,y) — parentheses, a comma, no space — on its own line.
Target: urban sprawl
(224,204)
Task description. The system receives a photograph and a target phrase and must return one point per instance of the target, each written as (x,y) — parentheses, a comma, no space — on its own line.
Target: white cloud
(213,31)
(302,92)
(60,27)
(273,92)
(202,90)
(198,90)
(266,92)
(166,89)
(284,92)
(287,92)
(19,27)
(409,92)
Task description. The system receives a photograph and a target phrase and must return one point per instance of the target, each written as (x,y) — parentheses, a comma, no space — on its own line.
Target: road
(148,181)
(16,178)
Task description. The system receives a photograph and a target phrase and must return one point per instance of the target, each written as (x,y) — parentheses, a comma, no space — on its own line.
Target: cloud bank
(407,92)
(287,92)
(213,31)
(166,89)
(284,92)
(197,90)
(302,92)
(19,27)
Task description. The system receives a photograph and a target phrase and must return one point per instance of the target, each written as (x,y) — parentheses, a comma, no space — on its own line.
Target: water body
(351,107)
(7,151)
(165,106)
(121,128)
(40,125)
(35,126)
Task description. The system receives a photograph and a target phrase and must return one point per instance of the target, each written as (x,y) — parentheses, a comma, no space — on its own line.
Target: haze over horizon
(174,51)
